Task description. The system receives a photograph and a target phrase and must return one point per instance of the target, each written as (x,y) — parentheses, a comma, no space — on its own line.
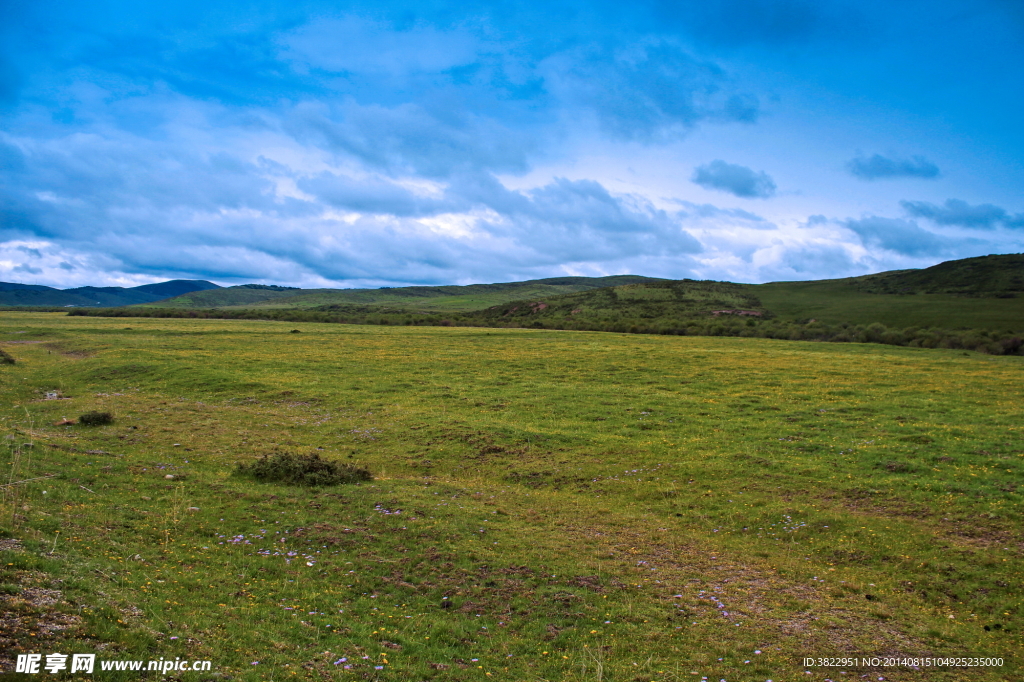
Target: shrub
(311,469)
(96,418)
(874,332)
(1012,345)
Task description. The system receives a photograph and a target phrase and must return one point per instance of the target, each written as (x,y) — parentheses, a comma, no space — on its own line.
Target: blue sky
(367,144)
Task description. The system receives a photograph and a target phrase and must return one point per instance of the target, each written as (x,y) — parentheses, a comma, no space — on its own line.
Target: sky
(363,144)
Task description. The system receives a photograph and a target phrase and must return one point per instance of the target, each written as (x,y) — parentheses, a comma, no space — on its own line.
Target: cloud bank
(960,213)
(878,167)
(387,143)
(739,181)
(904,237)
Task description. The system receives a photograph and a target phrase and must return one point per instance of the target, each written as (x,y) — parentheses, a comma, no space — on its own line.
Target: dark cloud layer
(351,146)
(644,90)
(411,139)
(219,216)
(901,236)
(388,142)
(831,260)
(737,180)
(960,213)
(737,23)
(878,167)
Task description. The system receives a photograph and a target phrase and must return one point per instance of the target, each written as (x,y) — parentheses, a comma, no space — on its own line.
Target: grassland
(971,304)
(451,298)
(980,293)
(592,506)
(843,301)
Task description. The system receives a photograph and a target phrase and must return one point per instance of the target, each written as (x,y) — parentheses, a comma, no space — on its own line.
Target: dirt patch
(746,313)
(69,448)
(37,596)
(699,583)
(69,351)
(978,532)
(10,544)
(32,619)
(525,571)
(590,582)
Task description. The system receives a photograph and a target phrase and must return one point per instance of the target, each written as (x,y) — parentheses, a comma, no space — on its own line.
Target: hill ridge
(14,294)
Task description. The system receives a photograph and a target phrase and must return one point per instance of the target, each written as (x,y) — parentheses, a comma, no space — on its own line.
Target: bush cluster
(311,469)
(96,418)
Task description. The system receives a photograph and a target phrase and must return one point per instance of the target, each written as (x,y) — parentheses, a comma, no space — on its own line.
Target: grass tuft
(96,418)
(311,469)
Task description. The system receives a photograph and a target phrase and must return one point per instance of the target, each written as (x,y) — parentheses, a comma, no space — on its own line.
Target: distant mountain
(11,286)
(13,294)
(983,293)
(175,287)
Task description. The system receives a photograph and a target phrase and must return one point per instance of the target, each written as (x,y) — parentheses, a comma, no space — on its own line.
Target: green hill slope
(420,298)
(974,293)
(838,301)
(997,276)
(978,293)
(656,305)
(245,295)
(974,306)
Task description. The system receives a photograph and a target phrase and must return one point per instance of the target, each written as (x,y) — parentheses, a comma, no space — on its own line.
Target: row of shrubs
(985,341)
(370,315)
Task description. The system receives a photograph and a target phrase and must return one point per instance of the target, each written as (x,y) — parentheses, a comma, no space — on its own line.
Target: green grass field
(451,298)
(980,293)
(836,301)
(546,505)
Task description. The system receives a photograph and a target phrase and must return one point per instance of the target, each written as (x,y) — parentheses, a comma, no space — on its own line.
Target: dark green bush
(96,418)
(311,469)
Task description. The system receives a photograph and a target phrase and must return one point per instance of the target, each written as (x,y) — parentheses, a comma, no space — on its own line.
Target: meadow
(546,505)
(972,304)
(443,299)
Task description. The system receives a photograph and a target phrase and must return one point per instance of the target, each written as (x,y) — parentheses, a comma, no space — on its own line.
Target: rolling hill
(13,294)
(999,276)
(420,298)
(981,293)
(972,304)
(974,293)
